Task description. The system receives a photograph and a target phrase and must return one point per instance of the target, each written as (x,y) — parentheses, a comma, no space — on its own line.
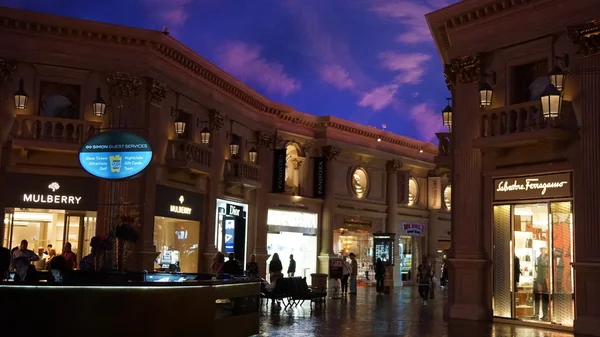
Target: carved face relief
(360,182)
(448,197)
(413,191)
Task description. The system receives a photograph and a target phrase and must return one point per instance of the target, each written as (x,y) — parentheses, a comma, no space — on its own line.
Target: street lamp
(98,106)
(21,97)
(551,102)
(252,155)
(447,115)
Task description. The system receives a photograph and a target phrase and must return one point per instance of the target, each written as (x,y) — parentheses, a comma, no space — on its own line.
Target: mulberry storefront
(533,248)
(48,209)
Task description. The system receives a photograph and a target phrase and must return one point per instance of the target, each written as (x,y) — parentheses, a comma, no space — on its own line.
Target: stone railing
(188,154)
(516,119)
(241,170)
(55,130)
(444,144)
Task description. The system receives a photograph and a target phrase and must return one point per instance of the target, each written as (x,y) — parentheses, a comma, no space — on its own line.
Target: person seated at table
(60,270)
(24,271)
(232,266)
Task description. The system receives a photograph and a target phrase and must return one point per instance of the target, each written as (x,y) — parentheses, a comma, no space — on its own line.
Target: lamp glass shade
(557,78)
(485,94)
(179,126)
(551,102)
(447,115)
(234,148)
(205,136)
(98,106)
(253,155)
(21,97)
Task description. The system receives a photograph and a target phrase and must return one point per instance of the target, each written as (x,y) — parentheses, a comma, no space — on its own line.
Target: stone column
(296,178)
(467,255)
(218,145)
(391,223)
(265,157)
(587,189)
(328,209)
(432,242)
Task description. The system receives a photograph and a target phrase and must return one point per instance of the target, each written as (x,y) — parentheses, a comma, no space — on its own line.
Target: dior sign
(533,187)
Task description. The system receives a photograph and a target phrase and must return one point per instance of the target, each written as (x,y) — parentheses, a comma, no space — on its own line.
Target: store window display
(177,241)
(359,242)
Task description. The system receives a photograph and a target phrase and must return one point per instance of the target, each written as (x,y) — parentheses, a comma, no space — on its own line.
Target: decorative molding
(586,37)
(393,166)
(486,11)
(157,91)
(436,172)
(450,77)
(7,69)
(265,140)
(466,69)
(216,119)
(124,86)
(297,163)
(306,147)
(331,152)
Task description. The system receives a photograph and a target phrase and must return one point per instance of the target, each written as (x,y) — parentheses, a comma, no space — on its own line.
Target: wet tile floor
(368,314)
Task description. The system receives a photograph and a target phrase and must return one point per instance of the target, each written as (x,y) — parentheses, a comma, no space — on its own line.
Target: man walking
(292,267)
(353,274)
(424,279)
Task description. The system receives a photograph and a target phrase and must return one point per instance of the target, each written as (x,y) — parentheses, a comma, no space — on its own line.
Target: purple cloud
(426,120)
(244,61)
(379,97)
(411,67)
(172,13)
(336,75)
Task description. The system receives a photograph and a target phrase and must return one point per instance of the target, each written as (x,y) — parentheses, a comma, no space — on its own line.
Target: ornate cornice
(157,91)
(331,152)
(216,119)
(466,69)
(393,166)
(485,11)
(265,139)
(124,86)
(7,69)
(586,37)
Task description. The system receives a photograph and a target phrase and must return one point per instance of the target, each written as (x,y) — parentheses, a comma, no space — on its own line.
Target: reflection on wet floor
(369,314)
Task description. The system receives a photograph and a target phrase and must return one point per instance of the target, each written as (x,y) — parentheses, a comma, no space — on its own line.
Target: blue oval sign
(115,155)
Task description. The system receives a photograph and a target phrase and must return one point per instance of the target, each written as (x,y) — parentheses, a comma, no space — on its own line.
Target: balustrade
(52,130)
(188,154)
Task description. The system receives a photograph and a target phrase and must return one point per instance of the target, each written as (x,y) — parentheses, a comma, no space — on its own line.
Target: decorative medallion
(448,197)
(360,182)
(413,192)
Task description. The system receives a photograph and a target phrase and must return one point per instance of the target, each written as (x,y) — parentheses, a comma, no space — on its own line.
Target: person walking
(275,268)
(424,278)
(346,271)
(379,275)
(354,274)
(292,267)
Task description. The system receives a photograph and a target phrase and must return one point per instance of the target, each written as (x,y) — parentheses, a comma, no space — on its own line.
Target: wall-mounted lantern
(485,89)
(205,136)
(551,102)
(447,115)
(253,155)
(234,146)
(99,105)
(21,97)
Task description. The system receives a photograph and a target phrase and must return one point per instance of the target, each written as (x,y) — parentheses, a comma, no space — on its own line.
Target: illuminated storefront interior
(177,240)
(231,229)
(41,227)
(293,233)
(359,242)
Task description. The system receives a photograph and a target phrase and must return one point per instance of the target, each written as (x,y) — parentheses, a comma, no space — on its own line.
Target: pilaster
(328,209)
(265,157)
(391,224)
(432,241)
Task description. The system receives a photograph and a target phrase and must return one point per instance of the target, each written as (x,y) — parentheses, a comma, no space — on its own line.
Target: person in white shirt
(24,252)
(41,263)
(346,271)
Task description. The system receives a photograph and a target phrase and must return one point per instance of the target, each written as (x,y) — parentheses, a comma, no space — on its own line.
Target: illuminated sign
(51,198)
(434,192)
(115,155)
(234,210)
(533,187)
(180,209)
(412,229)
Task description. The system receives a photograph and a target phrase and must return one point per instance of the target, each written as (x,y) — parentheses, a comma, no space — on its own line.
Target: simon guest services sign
(547,186)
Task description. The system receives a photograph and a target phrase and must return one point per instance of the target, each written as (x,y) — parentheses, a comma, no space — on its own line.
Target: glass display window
(178,242)
(359,242)
(302,246)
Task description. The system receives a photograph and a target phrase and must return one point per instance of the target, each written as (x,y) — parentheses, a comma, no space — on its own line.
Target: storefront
(47,209)
(231,229)
(533,248)
(177,226)
(293,233)
(357,237)
(411,237)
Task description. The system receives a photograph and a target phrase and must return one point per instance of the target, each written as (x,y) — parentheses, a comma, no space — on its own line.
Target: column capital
(585,37)
(157,91)
(297,163)
(7,69)
(464,70)
(393,166)
(436,172)
(331,152)
(216,119)
(265,139)
(122,85)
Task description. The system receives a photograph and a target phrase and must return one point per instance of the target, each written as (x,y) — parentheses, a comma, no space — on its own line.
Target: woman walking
(379,275)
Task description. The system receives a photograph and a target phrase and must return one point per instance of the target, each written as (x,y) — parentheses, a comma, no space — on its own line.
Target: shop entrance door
(73,232)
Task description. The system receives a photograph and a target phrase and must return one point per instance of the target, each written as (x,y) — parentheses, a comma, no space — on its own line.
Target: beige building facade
(524,79)
(231,170)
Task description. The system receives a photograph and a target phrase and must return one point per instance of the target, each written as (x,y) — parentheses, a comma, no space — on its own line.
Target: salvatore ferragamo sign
(557,185)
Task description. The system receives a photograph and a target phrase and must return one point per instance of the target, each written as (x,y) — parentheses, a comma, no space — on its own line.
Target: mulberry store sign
(557,185)
(179,204)
(51,192)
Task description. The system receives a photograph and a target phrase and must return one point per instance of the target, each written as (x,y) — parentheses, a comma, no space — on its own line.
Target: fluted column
(218,145)
(432,241)
(391,221)
(265,153)
(328,209)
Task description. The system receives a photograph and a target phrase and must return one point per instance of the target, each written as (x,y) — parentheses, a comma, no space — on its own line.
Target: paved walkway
(368,314)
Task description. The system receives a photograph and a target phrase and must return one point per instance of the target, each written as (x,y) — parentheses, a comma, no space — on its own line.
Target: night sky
(369,61)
